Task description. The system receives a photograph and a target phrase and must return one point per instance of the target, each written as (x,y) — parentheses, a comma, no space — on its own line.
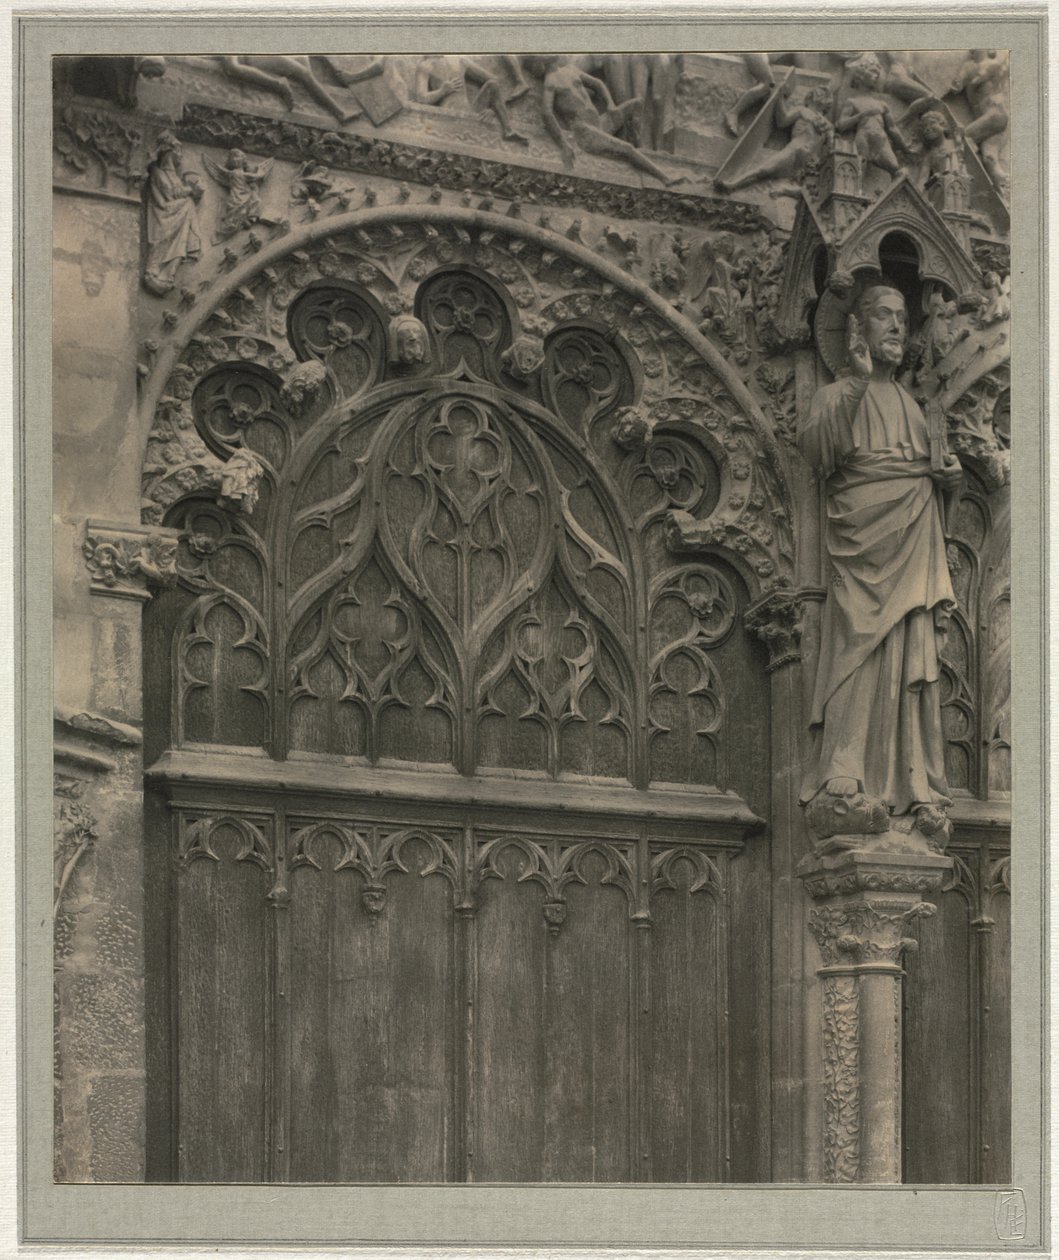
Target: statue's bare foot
(842,787)
(345,118)
(671,182)
(516,137)
(519,92)
(731,121)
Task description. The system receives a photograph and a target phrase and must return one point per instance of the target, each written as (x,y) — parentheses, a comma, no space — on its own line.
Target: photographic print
(533,612)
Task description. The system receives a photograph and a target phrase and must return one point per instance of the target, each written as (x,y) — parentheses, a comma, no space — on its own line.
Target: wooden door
(458,777)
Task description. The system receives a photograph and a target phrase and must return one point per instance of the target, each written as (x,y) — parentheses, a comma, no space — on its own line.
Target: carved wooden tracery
(470,566)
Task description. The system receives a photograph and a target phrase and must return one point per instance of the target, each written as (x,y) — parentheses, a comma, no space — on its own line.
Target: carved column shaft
(867,906)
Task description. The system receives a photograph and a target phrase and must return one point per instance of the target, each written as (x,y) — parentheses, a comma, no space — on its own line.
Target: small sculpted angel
(242,181)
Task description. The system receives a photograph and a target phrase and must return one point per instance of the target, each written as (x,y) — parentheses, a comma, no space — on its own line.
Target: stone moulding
(274,137)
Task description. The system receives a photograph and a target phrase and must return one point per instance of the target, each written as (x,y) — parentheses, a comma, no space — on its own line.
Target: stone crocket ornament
(878,758)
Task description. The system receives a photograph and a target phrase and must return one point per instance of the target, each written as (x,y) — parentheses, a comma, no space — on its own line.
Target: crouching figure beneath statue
(878,756)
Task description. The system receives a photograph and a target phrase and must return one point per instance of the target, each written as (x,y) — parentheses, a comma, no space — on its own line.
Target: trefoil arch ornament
(228,321)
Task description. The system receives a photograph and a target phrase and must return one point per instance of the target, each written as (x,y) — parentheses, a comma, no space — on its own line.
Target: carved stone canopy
(857,250)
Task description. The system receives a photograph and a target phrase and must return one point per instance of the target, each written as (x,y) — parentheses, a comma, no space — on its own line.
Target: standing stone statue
(867,114)
(879,749)
(172,216)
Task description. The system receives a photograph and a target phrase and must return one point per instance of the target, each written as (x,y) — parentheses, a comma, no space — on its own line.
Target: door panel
(511,922)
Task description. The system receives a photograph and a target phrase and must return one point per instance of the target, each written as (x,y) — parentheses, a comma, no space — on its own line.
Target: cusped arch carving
(218,328)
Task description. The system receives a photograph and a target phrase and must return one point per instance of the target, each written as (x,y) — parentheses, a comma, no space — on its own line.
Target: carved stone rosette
(867,906)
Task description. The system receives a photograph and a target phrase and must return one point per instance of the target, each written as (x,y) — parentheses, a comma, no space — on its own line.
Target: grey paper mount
(442,804)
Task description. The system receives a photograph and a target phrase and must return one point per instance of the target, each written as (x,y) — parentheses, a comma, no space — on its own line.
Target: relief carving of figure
(940,155)
(876,710)
(812,134)
(172,216)
(241,180)
(867,114)
(275,74)
(443,75)
(760,66)
(568,106)
(650,78)
(983,81)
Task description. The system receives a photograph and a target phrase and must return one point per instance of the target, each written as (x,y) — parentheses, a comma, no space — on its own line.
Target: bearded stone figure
(878,760)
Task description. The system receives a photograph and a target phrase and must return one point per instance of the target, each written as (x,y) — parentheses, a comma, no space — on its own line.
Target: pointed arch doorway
(459,769)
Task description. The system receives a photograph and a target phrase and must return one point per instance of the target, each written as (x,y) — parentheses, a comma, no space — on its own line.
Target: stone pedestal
(867,901)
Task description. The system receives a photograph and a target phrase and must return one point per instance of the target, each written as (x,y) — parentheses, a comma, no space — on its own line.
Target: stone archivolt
(551,283)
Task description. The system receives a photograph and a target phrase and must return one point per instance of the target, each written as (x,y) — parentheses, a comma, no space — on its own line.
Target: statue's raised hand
(859,354)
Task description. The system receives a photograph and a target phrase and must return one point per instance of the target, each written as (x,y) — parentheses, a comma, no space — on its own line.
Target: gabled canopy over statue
(879,751)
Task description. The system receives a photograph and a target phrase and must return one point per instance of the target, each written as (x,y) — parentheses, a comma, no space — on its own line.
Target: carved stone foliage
(862,931)
(127,561)
(842,1122)
(99,149)
(75,831)
(293,141)
(777,620)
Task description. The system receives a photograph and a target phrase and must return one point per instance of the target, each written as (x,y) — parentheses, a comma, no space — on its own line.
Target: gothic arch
(688,379)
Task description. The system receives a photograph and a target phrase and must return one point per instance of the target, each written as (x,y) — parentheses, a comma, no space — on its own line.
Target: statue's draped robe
(876,715)
(172,224)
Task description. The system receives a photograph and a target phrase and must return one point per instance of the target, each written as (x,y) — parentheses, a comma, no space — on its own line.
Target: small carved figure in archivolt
(172,216)
(567,106)
(940,155)
(242,181)
(276,74)
(440,76)
(407,341)
(983,81)
(868,115)
(812,135)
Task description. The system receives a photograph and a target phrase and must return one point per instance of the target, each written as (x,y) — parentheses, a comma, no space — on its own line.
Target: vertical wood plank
(223,978)
(687,1090)
(512,1032)
(940,999)
(279,1065)
(373,1069)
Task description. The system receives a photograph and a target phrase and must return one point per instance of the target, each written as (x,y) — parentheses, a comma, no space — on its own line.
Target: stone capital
(872,872)
(776,619)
